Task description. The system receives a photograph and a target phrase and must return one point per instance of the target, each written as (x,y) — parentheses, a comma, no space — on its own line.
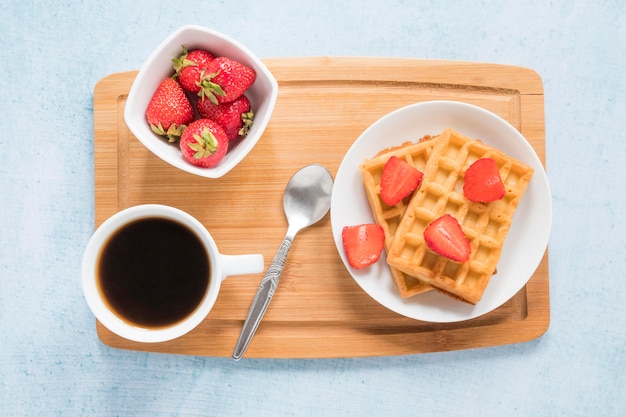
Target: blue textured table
(51,361)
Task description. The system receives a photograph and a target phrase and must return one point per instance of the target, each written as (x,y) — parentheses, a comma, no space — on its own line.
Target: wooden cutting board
(323,105)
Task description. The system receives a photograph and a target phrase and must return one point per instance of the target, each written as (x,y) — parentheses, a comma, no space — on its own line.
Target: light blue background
(52,54)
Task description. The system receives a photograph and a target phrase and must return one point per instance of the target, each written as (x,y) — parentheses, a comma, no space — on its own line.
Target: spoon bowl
(307,196)
(306,201)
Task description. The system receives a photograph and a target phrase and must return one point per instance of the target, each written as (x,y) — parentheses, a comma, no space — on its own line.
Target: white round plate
(527,239)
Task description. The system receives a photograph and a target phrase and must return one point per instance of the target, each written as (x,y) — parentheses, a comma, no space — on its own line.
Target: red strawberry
(445,237)
(204,143)
(482,182)
(398,180)
(235,117)
(190,68)
(225,80)
(169,110)
(363,244)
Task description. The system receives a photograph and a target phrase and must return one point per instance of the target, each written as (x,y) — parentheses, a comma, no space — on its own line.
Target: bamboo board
(323,105)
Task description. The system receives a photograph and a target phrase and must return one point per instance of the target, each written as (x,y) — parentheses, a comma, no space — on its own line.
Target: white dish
(527,239)
(158,66)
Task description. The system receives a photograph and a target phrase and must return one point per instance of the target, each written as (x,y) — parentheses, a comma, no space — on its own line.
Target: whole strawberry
(190,68)
(169,110)
(226,80)
(204,143)
(234,117)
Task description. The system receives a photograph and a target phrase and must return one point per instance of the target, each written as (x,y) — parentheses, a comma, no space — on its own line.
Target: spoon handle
(262,299)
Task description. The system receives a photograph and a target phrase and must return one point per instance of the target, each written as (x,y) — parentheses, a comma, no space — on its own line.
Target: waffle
(485,225)
(416,154)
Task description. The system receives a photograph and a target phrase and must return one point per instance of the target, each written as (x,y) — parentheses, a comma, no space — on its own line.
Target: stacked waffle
(444,160)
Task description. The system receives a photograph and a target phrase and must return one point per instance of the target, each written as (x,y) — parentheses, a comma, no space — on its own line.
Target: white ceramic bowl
(158,66)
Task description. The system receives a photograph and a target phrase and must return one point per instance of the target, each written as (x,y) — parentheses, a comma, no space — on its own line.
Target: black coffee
(153,272)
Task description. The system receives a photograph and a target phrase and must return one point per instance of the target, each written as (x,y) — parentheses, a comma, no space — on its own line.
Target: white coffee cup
(221,266)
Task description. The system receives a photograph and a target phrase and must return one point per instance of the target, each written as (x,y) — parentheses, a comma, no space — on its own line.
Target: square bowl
(262,95)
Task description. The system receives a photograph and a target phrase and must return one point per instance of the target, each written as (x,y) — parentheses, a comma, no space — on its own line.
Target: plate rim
(539,183)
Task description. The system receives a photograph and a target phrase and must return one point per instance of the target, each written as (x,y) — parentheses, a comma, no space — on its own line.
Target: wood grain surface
(324,104)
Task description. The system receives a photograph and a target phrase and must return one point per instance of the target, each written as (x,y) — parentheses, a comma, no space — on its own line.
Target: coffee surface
(153,272)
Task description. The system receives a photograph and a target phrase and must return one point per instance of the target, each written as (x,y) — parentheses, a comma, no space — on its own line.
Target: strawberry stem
(205,145)
(181,62)
(247,118)
(209,89)
(173,133)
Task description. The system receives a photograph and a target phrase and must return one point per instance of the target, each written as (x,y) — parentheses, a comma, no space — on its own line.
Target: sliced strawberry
(204,143)
(445,237)
(226,80)
(363,244)
(190,67)
(235,117)
(399,179)
(482,182)
(169,110)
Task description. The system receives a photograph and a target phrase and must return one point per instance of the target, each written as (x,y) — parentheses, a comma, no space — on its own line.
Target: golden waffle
(485,225)
(416,154)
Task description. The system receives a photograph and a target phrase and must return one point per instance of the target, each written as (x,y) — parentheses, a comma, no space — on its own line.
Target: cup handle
(241,264)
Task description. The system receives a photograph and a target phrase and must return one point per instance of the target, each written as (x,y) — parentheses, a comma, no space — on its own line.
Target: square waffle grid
(389,217)
(485,225)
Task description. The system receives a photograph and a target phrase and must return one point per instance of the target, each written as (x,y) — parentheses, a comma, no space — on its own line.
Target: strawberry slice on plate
(363,244)
(398,180)
(445,237)
(482,182)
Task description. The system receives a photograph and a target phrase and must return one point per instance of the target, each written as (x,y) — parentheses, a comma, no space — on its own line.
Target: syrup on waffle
(485,225)
(417,155)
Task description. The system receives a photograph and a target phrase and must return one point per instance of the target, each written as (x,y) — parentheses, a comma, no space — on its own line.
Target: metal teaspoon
(306,201)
